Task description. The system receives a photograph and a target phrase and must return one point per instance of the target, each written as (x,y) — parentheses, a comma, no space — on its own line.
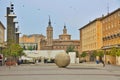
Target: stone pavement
(83,71)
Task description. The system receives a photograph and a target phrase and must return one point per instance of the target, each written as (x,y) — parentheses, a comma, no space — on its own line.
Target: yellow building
(31,41)
(2,34)
(111,28)
(91,36)
(102,33)
(111,34)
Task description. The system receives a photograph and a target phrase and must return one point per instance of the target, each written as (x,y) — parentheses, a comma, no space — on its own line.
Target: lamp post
(104,49)
(104,56)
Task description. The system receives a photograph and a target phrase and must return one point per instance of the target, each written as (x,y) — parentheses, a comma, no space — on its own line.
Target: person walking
(102,61)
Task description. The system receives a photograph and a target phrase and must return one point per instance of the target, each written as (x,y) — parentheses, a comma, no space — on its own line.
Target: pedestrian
(102,61)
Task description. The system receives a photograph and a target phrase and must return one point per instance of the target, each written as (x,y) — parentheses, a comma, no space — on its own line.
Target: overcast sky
(33,15)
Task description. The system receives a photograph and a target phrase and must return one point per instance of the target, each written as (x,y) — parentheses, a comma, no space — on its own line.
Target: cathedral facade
(62,43)
(47,42)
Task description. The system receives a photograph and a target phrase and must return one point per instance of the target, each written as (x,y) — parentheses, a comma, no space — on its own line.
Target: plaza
(82,71)
(33,56)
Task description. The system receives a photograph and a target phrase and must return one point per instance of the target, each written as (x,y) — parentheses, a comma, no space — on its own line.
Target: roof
(58,40)
(100,18)
(109,14)
(65,35)
(97,19)
(2,25)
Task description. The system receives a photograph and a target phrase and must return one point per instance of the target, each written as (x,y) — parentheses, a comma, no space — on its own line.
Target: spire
(64,30)
(49,21)
(64,26)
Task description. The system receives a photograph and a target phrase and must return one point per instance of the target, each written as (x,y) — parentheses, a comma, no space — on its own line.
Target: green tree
(84,54)
(113,51)
(13,50)
(30,48)
(70,49)
(100,53)
(118,52)
(94,53)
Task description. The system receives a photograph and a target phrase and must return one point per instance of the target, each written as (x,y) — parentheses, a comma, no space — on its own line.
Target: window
(119,14)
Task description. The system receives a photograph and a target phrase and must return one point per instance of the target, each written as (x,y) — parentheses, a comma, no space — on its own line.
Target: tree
(13,50)
(30,48)
(118,52)
(100,53)
(70,49)
(84,54)
(113,51)
(94,53)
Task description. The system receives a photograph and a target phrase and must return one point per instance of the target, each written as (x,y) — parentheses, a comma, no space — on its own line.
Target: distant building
(2,34)
(48,43)
(31,42)
(62,43)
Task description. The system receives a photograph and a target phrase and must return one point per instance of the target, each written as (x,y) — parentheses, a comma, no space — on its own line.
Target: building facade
(2,34)
(111,29)
(65,36)
(91,36)
(2,41)
(111,35)
(62,43)
(31,42)
(48,43)
(102,34)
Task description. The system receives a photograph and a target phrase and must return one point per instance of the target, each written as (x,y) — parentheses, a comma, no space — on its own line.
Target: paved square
(52,72)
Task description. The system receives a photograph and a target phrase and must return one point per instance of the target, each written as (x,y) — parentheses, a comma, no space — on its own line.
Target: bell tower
(65,36)
(49,33)
(64,30)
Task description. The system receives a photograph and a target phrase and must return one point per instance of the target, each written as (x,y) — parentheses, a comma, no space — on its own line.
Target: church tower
(49,34)
(65,36)
(64,30)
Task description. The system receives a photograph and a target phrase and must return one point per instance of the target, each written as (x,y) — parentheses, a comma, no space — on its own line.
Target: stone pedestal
(62,60)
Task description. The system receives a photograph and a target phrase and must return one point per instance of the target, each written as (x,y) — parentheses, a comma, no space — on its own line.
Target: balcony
(118,34)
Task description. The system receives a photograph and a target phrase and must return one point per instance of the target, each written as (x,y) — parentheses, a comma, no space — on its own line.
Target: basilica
(41,42)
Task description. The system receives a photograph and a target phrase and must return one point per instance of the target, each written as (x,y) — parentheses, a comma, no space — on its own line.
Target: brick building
(48,43)
(62,43)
